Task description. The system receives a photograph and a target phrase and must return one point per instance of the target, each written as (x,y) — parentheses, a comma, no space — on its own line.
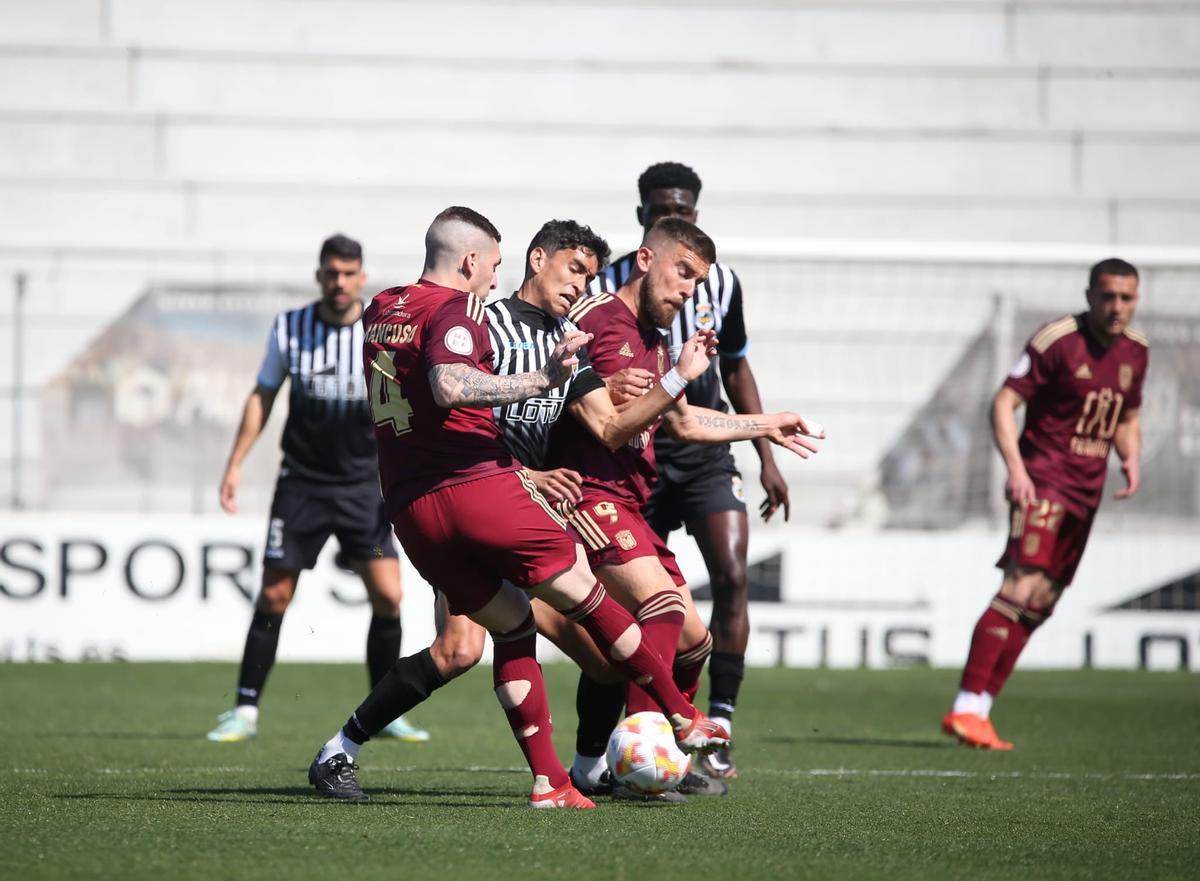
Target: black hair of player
(558,234)
(471,217)
(668,176)
(340,246)
(1111,266)
(687,234)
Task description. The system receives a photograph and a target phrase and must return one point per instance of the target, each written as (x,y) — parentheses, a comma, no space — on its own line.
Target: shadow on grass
(864,741)
(304,795)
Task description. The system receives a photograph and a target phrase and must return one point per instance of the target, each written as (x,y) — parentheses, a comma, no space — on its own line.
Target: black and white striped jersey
(329,437)
(716,306)
(523,336)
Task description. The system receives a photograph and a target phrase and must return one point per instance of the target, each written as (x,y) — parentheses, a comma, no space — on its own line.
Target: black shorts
(303,516)
(684,495)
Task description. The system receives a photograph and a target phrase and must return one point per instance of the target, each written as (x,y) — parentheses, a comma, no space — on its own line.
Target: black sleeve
(733,342)
(585,381)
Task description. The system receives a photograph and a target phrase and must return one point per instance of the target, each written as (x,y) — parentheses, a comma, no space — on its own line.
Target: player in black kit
(328,482)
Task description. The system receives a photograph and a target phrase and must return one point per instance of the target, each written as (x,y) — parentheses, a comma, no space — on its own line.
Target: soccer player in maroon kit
(1080,378)
(630,558)
(470,519)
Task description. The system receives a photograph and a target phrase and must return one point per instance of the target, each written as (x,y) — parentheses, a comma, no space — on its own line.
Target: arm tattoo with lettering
(461,385)
(726,422)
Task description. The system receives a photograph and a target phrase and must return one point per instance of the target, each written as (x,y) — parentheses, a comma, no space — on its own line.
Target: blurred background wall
(903,187)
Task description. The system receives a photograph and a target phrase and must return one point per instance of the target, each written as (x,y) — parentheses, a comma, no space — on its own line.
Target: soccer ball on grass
(642,754)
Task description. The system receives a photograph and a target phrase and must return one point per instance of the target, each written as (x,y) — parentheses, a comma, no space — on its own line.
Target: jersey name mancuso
(423,446)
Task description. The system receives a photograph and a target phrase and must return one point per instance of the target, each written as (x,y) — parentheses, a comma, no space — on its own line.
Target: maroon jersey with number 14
(422,446)
(1076,391)
(618,341)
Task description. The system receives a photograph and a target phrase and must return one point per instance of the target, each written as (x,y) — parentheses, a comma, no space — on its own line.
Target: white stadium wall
(890,180)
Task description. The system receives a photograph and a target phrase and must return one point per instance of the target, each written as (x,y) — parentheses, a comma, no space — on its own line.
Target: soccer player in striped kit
(328,482)
(699,487)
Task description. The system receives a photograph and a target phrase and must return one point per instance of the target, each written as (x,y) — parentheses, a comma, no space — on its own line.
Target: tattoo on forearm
(728,422)
(461,385)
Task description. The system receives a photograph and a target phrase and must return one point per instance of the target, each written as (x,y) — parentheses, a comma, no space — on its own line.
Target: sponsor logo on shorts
(274,538)
(1032,543)
(739,488)
(626,540)
(458,340)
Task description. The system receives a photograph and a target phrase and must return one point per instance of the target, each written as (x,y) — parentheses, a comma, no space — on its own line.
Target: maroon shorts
(1046,535)
(465,538)
(615,532)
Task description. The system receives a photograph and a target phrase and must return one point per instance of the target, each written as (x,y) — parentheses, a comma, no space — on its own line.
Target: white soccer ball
(643,756)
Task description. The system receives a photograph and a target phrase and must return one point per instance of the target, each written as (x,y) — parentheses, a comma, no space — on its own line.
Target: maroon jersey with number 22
(422,446)
(1075,391)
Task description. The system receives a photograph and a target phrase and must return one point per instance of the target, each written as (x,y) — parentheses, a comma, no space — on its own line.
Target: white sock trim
(249,712)
(339,743)
(968,702)
(985,704)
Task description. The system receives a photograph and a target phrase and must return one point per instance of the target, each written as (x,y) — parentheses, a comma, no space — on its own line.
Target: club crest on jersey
(1125,377)
(705,318)
(458,340)
(626,350)
(1083,372)
(626,540)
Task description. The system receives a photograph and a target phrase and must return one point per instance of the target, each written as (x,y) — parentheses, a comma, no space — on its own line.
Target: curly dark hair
(558,234)
(668,176)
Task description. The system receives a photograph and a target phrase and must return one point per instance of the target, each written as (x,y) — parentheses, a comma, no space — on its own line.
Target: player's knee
(385,607)
(273,601)
(456,657)
(625,645)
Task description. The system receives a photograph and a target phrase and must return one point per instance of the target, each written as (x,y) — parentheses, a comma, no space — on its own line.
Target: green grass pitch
(106,774)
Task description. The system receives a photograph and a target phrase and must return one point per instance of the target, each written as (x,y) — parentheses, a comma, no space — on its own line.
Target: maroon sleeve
(1032,370)
(602,350)
(453,335)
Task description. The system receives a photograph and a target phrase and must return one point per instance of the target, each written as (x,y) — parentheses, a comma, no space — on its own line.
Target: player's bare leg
(722,538)
(258,656)
(1027,597)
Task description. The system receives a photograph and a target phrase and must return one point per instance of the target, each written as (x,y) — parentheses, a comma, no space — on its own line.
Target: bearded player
(1080,379)
(470,519)
(629,557)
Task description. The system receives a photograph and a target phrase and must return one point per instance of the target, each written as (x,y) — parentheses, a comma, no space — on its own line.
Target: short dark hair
(340,246)
(471,217)
(558,234)
(687,234)
(1111,266)
(668,176)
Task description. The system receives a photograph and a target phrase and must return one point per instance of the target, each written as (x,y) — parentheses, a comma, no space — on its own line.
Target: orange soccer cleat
(566,796)
(973,730)
(701,735)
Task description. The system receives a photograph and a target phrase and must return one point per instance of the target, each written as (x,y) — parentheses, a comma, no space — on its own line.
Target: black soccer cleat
(697,784)
(334,778)
(604,787)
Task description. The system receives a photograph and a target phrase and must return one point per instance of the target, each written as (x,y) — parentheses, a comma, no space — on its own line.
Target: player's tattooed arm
(699,425)
(461,385)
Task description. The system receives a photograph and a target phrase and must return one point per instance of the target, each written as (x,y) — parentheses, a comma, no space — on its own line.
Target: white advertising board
(100,586)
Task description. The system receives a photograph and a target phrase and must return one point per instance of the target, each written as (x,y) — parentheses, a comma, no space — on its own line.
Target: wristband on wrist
(673,384)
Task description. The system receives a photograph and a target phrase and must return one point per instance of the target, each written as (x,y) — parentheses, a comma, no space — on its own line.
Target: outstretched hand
(564,359)
(229,488)
(793,433)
